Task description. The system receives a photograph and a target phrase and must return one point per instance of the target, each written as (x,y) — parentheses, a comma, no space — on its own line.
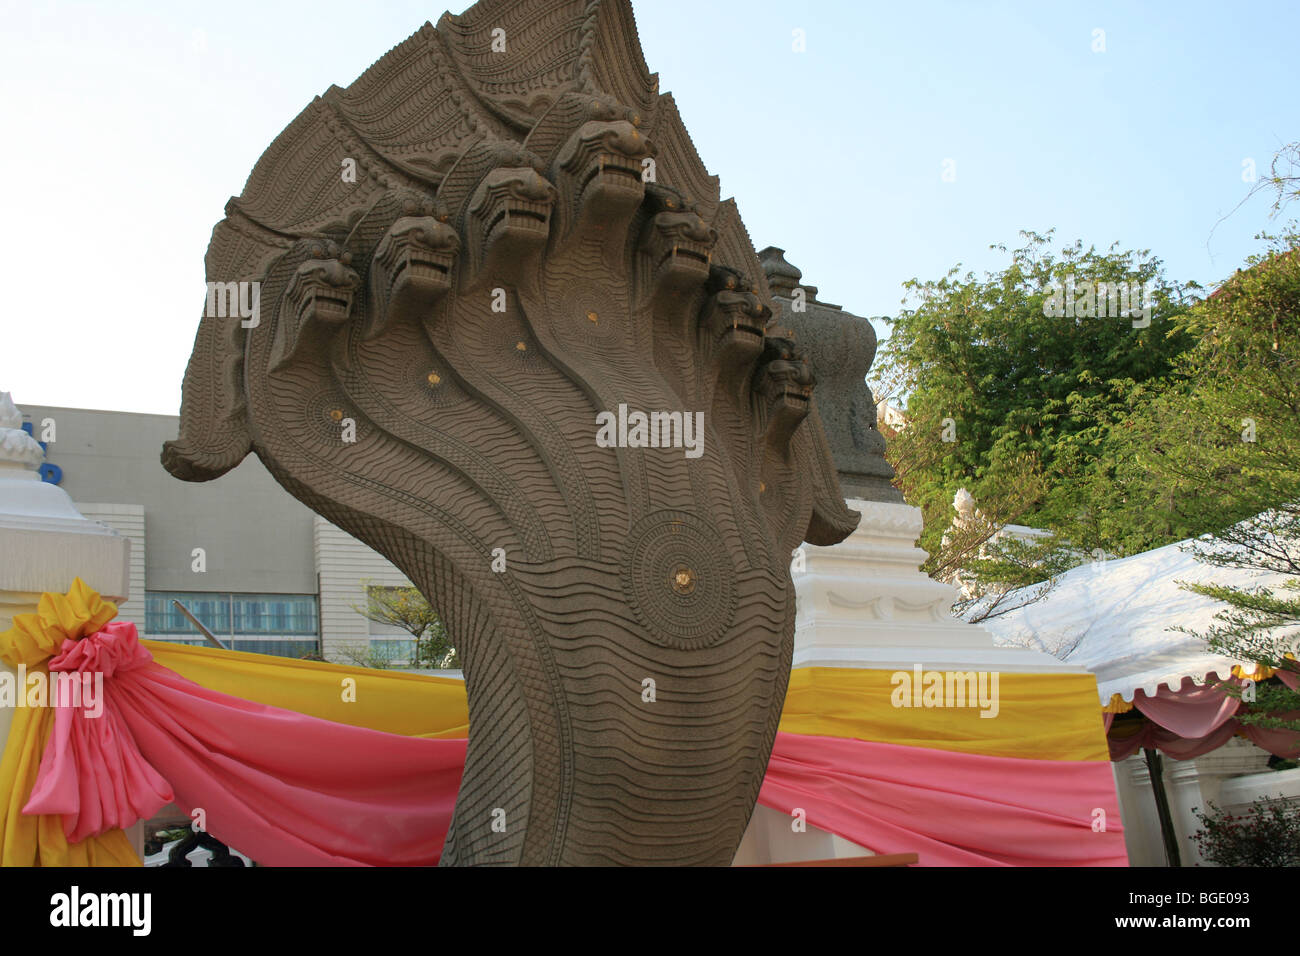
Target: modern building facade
(258,568)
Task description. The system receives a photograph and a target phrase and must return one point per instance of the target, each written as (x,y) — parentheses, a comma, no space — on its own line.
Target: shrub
(1267,834)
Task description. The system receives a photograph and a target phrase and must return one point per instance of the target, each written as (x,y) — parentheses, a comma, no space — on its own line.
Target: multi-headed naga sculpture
(497,233)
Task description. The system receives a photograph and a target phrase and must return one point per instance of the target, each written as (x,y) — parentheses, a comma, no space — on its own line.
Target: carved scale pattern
(436,340)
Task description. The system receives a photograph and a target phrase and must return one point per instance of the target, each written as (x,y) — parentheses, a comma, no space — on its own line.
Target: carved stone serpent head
(510,338)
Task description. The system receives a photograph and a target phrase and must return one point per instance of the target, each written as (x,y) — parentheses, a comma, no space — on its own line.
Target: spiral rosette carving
(680,579)
(510,337)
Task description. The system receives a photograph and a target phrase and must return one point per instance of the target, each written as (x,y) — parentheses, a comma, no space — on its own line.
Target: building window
(393,651)
(284,625)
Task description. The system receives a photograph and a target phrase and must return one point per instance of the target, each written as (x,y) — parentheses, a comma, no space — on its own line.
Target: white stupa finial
(10,417)
(16,446)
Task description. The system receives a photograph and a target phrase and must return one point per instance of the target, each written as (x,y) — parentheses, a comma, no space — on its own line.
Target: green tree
(1014,401)
(1224,439)
(1267,834)
(408,609)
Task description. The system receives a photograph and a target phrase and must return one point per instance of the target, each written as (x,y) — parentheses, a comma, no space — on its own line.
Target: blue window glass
(276,648)
(281,624)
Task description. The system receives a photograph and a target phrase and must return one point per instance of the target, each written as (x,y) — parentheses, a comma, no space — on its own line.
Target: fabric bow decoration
(92,773)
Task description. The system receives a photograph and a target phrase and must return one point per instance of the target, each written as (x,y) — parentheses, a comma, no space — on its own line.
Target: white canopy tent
(1126,620)
(1117,619)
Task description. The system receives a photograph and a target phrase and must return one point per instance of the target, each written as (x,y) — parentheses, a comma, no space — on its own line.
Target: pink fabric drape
(288,789)
(1195,719)
(1189,711)
(1282,743)
(953,809)
(1170,743)
(92,773)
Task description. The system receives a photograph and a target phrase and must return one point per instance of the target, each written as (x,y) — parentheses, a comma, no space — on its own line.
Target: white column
(1137,807)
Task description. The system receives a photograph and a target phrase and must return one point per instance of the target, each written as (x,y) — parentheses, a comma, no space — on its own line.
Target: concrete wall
(343,563)
(128,521)
(257,538)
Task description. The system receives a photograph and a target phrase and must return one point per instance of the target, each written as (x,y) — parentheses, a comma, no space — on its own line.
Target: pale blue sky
(129,124)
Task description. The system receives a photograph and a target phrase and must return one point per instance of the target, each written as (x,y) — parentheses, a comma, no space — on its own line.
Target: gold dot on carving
(683,580)
(336,414)
(434,378)
(762,487)
(592,317)
(521,347)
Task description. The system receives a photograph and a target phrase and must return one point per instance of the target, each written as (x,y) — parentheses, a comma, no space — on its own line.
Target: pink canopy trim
(953,809)
(1167,742)
(1196,719)
(288,789)
(1283,743)
(1189,711)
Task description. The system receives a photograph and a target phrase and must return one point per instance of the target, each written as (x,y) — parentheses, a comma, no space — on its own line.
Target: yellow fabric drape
(58,617)
(416,705)
(1040,716)
(33,639)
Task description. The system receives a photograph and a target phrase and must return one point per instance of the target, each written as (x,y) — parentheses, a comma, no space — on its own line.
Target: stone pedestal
(45,542)
(773,838)
(865,603)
